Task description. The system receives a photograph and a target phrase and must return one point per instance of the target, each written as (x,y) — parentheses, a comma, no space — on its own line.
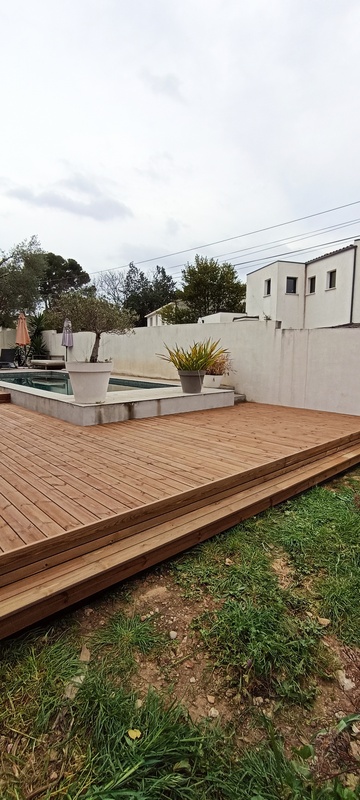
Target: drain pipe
(353,285)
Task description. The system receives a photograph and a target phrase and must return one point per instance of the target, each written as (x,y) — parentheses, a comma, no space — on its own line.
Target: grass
(117,642)
(264,634)
(261,631)
(320,532)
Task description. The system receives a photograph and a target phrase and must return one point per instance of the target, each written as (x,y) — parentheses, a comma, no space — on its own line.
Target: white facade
(276,292)
(327,306)
(154,319)
(323,293)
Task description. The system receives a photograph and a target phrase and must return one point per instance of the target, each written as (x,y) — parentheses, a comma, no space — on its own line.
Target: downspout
(353,286)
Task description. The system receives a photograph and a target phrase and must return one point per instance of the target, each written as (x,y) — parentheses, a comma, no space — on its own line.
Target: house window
(267,288)
(291,284)
(331,279)
(312,284)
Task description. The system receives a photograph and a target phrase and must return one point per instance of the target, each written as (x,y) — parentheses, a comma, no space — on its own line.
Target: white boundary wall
(7,338)
(316,368)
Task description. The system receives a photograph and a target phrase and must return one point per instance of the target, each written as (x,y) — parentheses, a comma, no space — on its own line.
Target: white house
(221,316)
(321,293)
(154,318)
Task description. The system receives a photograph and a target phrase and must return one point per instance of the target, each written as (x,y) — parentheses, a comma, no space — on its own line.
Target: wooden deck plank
(68,492)
(69,583)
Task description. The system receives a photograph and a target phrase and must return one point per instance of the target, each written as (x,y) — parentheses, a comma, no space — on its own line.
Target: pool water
(51,381)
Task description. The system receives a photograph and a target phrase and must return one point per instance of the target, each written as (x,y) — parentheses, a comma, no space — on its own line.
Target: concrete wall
(303,368)
(328,307)
(7,337)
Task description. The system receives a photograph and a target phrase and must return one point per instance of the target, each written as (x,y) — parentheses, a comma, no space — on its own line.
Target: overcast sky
(135,128)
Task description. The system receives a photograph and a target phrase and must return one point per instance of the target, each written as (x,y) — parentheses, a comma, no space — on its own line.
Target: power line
(244,265)
(291,252)
(231,238)
(269,245)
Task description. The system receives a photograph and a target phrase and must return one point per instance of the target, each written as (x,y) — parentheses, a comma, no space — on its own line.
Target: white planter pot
(212,381)
(89,381)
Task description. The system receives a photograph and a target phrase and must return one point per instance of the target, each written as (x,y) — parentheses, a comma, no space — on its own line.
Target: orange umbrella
(22,333)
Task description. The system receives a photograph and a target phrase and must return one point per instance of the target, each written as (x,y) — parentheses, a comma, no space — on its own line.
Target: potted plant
(215,373)
(90,378)
(193,363)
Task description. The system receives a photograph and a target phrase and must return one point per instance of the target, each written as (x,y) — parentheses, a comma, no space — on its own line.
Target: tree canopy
(21,270)
(89,313)
(144,293)
(209,287)
(61,275)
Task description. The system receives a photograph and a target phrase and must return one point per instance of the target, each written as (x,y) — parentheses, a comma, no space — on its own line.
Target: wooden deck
(82,508)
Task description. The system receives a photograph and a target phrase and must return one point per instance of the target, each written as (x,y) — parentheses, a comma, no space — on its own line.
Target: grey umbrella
(67,336)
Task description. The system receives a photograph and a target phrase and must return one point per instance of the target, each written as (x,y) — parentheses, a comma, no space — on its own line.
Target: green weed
(320,531)
(117,642)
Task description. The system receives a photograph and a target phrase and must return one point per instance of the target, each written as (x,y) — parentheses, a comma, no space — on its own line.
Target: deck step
(5,396)
(38,556)
(28,599)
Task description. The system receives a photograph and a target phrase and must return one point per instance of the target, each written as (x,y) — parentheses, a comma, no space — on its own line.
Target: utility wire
(231,238)
(254,249)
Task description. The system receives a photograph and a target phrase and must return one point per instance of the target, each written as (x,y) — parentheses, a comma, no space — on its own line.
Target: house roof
(158,309)
(272,263)
(333,253)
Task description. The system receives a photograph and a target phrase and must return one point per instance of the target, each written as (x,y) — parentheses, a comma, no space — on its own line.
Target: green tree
(210,287)
(177,313)
(137,293)
(61,275)
(88,313)
(163,289)
(21,271)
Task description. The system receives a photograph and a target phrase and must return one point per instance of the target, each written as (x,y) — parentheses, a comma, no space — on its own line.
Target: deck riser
(60,600)
(39,556)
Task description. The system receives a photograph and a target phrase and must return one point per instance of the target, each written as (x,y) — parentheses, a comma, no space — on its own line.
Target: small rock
(156,609)
(213,713)
(88,611)
(173,634)
(53,776)
(85,654)
(351,780)
(53,755)
(210,698)
(78,679)
(138,703)
(71,691)
(143,617)
(228,562)
(355,750)
(324,621)
(193,680)
(345,683)
(258,701)
(355,730)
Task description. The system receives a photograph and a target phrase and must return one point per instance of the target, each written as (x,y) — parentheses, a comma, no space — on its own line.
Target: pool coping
(118,406)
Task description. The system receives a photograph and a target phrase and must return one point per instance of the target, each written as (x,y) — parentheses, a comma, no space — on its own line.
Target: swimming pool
(51,381)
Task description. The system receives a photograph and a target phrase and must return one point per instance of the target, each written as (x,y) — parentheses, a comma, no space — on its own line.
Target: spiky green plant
(199,357)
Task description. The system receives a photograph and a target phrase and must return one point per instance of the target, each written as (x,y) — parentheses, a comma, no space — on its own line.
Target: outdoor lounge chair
(7,358)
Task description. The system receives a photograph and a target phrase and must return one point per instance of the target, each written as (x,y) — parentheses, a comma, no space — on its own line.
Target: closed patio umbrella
(67,336)
(22,334)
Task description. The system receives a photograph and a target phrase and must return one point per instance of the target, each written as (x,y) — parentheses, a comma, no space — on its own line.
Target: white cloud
(244,116)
